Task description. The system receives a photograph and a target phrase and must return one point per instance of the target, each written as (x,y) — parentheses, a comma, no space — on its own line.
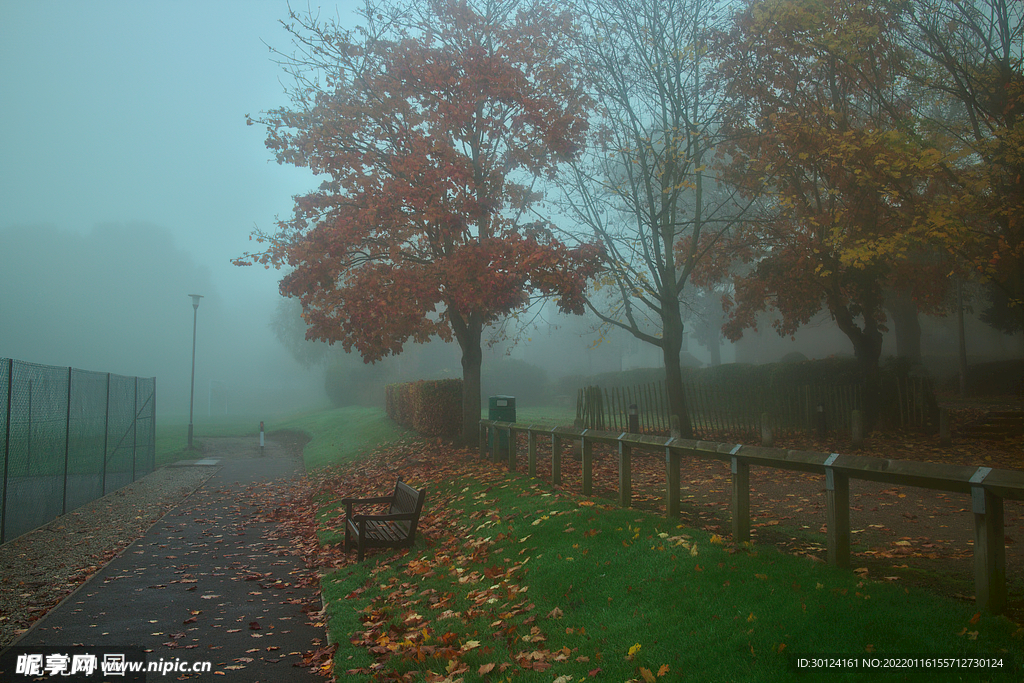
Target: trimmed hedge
(430,407)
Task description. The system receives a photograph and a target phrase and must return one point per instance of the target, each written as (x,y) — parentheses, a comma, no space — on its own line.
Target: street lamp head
(195,300)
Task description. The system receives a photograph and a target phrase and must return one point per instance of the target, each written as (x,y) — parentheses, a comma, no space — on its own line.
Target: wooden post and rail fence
(987,487)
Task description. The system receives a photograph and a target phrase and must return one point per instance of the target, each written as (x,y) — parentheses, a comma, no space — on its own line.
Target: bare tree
(646,189)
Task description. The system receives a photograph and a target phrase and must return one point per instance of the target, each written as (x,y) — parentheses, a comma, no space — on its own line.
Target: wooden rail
(986,486)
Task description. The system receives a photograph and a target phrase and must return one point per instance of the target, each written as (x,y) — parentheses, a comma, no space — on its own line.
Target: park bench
(396,529)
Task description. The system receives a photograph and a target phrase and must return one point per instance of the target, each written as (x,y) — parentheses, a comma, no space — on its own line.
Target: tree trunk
(671,345)
(715,347)
(469,332)
(961,338)
(867,349)
(907,326)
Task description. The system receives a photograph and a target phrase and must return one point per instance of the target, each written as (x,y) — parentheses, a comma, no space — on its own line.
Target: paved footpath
(205,584)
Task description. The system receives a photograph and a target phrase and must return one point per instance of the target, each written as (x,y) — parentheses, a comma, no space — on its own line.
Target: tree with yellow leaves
(840,171)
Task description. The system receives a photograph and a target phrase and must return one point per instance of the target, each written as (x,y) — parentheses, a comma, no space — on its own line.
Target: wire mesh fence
(69,436)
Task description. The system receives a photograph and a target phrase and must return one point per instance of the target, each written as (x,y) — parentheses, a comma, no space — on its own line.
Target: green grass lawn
(550,416)
(543,584)
(341,434)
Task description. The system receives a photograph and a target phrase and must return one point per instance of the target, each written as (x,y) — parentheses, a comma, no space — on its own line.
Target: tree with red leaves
(432,123)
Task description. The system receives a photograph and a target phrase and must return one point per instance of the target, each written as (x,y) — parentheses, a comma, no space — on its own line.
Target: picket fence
(716,410)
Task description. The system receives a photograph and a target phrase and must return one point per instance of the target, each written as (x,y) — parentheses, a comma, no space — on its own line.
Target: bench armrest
(350,502)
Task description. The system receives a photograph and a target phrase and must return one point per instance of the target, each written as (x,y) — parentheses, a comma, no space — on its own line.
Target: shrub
(430,407)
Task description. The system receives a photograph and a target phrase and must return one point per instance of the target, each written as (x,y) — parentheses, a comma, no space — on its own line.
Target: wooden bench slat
(383,531)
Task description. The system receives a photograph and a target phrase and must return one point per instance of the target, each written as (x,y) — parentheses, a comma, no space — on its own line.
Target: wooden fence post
(588,464)
(837,513)
(556,459)
(672,462)
(989,548)
(496,446)
(625,473)
(511,450)
(531,452)
(740,498)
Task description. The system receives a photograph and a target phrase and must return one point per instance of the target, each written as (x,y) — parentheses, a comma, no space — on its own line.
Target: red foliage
(429,136)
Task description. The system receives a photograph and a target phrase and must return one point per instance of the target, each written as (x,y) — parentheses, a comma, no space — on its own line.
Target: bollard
(820,425)
(945,438)
(261,437)
(634,419)
(767,438)
(857,429)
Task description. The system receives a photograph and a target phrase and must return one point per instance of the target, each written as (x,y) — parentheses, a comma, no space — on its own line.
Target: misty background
(130,180)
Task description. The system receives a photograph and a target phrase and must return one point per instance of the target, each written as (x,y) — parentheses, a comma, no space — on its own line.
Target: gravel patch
(41,568)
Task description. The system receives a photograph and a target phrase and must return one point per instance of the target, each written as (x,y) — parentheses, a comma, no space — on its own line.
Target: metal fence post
(28,445)
(106,433)
(7,450)
(67,448)
(135,428)
(152,430)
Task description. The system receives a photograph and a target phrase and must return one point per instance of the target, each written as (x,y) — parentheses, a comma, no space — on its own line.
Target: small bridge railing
(987,487)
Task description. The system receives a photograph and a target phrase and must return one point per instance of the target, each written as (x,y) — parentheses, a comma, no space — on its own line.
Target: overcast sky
(127,111)
(135,110)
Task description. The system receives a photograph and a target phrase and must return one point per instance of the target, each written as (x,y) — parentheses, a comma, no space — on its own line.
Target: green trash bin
(500,409)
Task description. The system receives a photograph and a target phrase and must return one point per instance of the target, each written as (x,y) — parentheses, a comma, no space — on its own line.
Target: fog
(130,180)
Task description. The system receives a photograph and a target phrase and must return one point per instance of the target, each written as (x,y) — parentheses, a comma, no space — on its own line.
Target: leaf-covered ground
(463,607)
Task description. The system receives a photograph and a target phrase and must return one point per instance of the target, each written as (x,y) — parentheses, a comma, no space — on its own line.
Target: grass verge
(525,582)
(340,435)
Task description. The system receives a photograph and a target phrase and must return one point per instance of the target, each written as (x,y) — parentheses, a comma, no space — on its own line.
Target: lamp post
(192,395)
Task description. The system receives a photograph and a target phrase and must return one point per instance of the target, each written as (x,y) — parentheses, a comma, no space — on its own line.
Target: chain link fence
(69,436)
